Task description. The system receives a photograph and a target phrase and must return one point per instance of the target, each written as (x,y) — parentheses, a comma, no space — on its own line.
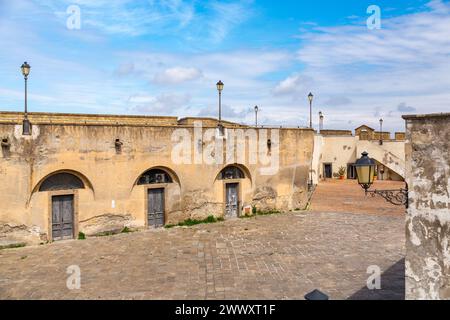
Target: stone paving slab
(268,257)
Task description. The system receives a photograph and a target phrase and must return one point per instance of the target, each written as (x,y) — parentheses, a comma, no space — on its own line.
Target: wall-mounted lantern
(365,171)
(118,145)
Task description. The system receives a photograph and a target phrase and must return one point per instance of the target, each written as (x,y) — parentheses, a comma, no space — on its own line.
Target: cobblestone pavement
(348,196)
(269,257)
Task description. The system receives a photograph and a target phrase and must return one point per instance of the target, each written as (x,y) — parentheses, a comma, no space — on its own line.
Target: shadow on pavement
(392,285)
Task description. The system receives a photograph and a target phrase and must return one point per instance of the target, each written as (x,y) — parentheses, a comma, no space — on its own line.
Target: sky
(164,58)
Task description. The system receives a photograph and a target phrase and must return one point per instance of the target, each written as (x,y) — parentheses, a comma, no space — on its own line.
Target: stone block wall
(428,216)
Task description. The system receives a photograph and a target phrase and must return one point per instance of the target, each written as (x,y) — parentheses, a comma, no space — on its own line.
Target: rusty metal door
(62,217)
(232,200)
(155,208)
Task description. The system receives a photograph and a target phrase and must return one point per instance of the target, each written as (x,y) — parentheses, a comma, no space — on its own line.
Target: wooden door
(62,217)
(155,208)
(232,200)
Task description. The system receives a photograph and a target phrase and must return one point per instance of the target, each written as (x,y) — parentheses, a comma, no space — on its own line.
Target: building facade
(101,173)
(338,150)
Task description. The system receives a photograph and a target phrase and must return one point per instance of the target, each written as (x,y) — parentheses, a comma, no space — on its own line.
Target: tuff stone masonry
(106,157)
(428,216)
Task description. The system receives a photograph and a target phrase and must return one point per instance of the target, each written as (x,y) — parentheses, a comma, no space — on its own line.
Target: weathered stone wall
(85,146)
(428,218)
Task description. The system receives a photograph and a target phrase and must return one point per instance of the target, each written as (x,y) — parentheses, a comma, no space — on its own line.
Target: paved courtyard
(348,196)
(268,257)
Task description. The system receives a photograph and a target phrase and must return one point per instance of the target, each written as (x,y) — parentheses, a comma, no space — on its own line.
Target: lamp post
(220,88)
(381,132)
(365,170)
(26,126)
(256,116)
(310,98)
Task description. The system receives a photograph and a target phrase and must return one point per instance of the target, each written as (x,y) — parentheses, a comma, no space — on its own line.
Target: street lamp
(310,98)
(220,88)
(365,170)
(381,132)
(26,125)
(256,116)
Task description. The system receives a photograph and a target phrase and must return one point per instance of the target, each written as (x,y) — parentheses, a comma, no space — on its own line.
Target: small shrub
(192,222)
(268,212)
(81,236)
(106,234)
(126,230)
(13,246)
(254,210)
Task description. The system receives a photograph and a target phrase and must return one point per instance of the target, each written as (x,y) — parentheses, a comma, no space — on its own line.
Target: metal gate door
(232,200)
(155,208)
(62,217)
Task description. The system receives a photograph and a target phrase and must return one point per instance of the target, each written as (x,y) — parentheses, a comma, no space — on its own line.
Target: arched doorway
(156,181)
(231,177)
(62,188)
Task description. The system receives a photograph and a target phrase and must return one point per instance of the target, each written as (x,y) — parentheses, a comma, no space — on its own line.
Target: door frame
(324,171)
(51,194)
(146,189)
(224,198)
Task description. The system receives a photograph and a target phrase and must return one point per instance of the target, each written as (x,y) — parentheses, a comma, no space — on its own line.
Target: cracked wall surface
(428,219)
(111,200)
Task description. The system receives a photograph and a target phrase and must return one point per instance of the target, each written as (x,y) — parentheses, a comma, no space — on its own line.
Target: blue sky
(164,58)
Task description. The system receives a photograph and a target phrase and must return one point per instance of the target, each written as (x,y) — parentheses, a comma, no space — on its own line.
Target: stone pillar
(428,217)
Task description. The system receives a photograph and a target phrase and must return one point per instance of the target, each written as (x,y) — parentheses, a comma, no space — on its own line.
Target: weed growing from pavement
(193,222)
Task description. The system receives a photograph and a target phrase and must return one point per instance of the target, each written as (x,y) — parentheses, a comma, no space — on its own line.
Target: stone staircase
(384,156)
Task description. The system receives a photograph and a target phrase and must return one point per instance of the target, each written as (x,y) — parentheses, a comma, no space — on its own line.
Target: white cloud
(407,61)
(293,84)
(163,104)
(177,75)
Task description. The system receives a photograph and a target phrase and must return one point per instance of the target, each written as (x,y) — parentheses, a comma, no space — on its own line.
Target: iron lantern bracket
(398,197)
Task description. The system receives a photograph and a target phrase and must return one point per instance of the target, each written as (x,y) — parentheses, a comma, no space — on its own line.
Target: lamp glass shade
(219,85)
(25,69)
(310,96)
(365,174)
(365,170)
(256,108)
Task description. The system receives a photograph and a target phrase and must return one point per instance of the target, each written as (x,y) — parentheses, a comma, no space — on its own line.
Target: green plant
(105,234)
(267,212)
(13,245)
(254,210)
(192,222)
(342,171)
(126,230)
(81,236)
